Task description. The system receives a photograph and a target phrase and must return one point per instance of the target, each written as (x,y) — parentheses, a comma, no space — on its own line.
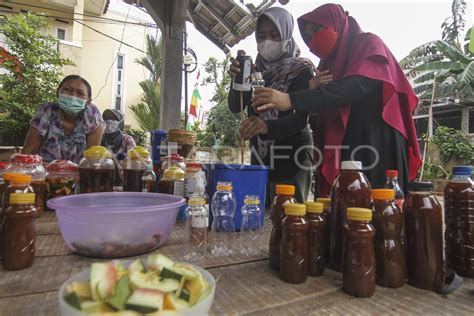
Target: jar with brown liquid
(61,179)
(351,189)
(195,228)
(18,232)
(96,171)
(327,227)
(424,237)
(172,181)
(284,194)
(459,218)
(316,238)
(294,254)
(134,166)
(389,251)
(358,275)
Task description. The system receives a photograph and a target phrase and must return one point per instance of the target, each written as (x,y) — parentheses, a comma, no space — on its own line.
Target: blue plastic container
(158,146)
(246,180)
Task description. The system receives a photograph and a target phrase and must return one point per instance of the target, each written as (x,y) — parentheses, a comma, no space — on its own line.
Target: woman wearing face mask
(65,128)
(279,139)
(368,107)
(114,138)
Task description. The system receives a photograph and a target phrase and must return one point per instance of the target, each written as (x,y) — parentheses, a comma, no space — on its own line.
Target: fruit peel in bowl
(159,286)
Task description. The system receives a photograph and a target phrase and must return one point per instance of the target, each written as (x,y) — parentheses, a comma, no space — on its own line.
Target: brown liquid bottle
(294,244)
(96,171)
(459,218)
(351,189)
(327,228)
(389,251)
(424,237)
(358,275)
(18,233)
(284,194)
(316,238)
(135,165)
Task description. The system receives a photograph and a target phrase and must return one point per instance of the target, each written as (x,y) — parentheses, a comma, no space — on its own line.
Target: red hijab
(362,54)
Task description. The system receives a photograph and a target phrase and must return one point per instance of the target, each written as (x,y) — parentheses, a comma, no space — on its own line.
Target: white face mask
(111,126)
(271,50)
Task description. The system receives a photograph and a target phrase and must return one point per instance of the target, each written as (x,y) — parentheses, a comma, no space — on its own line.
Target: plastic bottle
(223,207)
(459,218)
(257,81)
(351,189)
(392,183)
(195,231)
(294,244)
(389,251)
(358,275)
(327,227)
(251,226)
(18,233)
(194,179)
(149,179)
(316,238)
(285,195)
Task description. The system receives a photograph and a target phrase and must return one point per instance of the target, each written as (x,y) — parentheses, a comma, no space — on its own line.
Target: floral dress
(56,144)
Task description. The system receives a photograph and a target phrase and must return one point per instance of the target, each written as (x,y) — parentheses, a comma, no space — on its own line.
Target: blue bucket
(246,180)
(158,146)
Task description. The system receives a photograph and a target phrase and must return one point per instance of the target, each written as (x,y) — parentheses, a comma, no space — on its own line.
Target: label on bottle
(178,188)
(189,186)
(198,222)
(144,190)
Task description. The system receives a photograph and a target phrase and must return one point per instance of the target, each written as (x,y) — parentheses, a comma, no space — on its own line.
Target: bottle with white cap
(350,189)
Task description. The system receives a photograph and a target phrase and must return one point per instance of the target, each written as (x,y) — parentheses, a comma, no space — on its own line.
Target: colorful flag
(194,101)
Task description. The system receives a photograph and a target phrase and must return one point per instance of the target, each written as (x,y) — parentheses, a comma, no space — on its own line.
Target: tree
(147,111)
(222,124)
(34,70)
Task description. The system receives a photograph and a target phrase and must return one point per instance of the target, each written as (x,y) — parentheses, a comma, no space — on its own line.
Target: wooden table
(247,285)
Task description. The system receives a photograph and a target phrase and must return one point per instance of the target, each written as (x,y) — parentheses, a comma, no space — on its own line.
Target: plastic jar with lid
(32,165)
(173,159)
(134,166)
(18,182)
(284,194)
(358,273)
(424,237)
(389,250)
(61,178)
(172,181)
(96,171)
(351,189)
(316,238)
(294,244)
(194,180)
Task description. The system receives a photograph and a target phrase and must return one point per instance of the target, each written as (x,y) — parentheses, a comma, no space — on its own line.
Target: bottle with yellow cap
(135,165)
(223,207)
(18,234)
(316,238)
(294,244)
(358,273)
(96,171)
(328,218)
(284,194)
(195,229)
(389,250)
(251,226)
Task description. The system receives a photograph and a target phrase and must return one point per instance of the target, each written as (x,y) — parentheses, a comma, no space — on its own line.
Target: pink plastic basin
(116,224)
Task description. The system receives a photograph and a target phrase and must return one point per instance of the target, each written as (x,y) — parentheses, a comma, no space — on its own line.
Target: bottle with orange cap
(18,233)
(294,244)
(358,270)
(223,206)
(284,194)
(389,251)
(316,238)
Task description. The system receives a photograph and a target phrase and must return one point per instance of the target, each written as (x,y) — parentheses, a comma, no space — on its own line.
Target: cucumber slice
(73,300)
(145,301)
(136,265)
(151,281)
(159,261)
(170,274)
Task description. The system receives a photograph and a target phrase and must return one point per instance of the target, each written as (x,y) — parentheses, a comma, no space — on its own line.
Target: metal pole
(185,83)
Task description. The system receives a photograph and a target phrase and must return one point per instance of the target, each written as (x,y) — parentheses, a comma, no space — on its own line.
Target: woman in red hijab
(365,114)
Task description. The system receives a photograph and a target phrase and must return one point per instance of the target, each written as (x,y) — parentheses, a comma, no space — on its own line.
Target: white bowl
(201,308)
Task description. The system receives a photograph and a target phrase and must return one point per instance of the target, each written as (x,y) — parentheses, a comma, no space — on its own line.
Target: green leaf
(451,52)
(435,66)
(466,84)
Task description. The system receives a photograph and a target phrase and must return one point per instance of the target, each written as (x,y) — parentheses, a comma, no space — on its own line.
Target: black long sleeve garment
(289,131)
(365,126)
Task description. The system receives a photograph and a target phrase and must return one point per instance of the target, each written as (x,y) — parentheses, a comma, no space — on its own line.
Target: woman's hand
(320,79)
(234,66)
(253,126)
(267,98)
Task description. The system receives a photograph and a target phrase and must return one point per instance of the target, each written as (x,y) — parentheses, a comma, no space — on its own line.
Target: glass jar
(96,171)
(61,178)
(316,238)
(134,166)
(172,181)
(173,159)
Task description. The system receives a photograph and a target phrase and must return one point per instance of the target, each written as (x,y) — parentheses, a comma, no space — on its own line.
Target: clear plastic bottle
(257,81)
(195,230)
(392,183)
(223,207)
(251,226)
(149,179)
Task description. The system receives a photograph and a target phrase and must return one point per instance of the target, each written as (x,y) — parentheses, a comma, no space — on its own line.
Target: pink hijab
(363,54)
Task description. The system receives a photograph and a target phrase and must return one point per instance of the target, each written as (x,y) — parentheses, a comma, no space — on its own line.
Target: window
(471,121)
(61,34)
(118,88)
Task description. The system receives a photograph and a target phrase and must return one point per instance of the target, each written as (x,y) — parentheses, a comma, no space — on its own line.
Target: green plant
(434,171)
(34,69)
(153,57)
(452,143)
(139,136)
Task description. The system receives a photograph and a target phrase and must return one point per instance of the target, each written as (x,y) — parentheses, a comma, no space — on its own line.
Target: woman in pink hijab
(365,114)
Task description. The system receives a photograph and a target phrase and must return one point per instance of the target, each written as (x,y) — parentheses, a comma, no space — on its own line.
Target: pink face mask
(324,42)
